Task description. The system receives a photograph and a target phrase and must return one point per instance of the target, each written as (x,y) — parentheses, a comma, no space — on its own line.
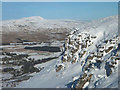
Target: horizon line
(60,18)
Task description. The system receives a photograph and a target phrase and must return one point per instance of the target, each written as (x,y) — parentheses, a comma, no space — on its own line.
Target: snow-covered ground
(90,49)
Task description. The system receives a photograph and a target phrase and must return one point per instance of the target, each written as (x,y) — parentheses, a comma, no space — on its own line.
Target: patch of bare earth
(32,36)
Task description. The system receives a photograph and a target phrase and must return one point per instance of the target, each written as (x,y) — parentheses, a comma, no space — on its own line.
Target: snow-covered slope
(36,22)
(89,59)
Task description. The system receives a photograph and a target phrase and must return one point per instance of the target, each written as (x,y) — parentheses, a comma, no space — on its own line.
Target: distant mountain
(37,29)
(36,22)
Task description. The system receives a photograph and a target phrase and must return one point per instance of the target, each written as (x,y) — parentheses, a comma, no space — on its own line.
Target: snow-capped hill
(37,22)
(28,20)
(34,18)
(109,25)
(106,19)
(22,23)
(109,18)
(108,22)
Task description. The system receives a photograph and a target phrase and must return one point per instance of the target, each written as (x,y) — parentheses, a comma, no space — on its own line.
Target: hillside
(32,28)
(89,59)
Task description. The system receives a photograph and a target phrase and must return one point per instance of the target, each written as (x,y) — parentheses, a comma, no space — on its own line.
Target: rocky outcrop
(59,67)
(75,46)
(83,80)
(79,46)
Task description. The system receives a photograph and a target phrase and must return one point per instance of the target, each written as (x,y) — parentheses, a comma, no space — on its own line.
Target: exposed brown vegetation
(110,48)
(36,36)
(58,68)
(82,54)
(83,80)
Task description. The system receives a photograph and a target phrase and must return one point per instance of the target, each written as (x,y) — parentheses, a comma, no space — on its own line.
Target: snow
(76,77)
(58,79)
(36,57)
(18,53)
(86,84)
(2,56)
(49,78)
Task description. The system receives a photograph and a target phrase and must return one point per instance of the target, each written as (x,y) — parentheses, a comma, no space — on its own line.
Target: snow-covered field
(89,56)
